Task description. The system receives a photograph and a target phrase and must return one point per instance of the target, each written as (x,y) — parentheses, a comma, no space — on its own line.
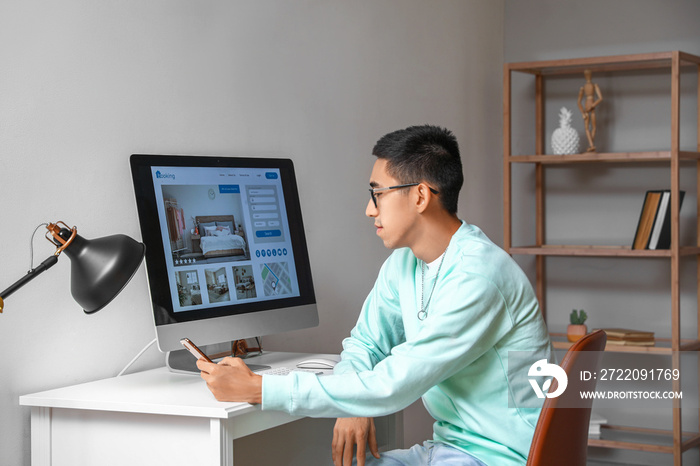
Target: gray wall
(84,84)
(600,205)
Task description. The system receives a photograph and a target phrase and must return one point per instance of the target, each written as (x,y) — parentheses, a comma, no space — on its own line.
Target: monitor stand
(182,361)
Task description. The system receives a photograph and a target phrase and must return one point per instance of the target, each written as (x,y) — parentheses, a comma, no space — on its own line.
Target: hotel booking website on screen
(225,235)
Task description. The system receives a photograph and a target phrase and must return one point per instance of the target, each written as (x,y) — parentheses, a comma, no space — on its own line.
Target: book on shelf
(594,425)
(631,342)
(646,219)
(627,333)
(654,225)
(629,337)
(663,239)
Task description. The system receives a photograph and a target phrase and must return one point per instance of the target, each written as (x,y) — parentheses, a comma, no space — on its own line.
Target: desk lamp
(100,268)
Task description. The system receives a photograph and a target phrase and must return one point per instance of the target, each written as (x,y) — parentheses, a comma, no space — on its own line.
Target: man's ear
(423,198)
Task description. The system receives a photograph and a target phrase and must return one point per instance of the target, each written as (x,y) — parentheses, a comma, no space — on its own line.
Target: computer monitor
(226,253)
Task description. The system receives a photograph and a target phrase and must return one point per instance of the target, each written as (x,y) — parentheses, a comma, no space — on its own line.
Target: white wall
(85,84)
(601,205)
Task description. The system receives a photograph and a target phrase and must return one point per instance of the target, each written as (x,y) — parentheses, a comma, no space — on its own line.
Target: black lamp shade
(101,268)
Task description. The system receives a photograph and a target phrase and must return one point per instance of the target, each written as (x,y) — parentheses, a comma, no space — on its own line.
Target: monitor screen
(226,253)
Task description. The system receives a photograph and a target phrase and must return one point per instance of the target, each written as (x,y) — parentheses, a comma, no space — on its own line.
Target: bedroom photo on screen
(245,283)
(205,224)
(188,291)
(217,285)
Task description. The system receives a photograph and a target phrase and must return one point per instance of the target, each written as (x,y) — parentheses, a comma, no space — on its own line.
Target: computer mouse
(317,363)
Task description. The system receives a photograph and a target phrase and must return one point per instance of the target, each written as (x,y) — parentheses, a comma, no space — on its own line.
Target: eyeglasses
(373,191)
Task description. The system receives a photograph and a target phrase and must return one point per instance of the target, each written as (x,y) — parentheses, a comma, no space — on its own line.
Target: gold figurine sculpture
(590,91)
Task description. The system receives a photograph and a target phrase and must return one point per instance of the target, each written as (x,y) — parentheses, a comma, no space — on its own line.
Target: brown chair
(561,434)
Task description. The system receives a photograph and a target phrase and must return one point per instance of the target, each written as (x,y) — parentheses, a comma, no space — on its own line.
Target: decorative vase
(576,332)
(565,139)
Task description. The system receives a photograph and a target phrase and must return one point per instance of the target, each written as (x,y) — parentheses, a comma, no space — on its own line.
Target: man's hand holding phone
(230,379)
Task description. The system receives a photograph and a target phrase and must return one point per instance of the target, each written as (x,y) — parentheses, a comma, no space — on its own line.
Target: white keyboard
(286,370)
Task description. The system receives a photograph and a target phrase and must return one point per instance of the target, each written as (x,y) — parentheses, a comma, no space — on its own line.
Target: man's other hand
(352,431)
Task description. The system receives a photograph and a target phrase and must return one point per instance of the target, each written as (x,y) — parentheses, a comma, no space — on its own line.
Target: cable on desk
(137,356)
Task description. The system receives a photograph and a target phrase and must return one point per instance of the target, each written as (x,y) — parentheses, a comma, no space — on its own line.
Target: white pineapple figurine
(565,139)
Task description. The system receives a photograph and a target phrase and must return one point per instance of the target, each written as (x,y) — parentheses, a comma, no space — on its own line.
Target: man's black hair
(427,154)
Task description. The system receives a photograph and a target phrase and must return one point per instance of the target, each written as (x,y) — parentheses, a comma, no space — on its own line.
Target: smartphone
(192,348)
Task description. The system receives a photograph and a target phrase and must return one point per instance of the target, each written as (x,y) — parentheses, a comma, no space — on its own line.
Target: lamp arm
(48,263)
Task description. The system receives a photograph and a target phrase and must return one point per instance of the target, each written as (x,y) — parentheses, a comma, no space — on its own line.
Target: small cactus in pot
(577,328)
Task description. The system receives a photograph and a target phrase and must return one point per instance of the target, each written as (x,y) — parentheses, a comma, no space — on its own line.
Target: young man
(446,310)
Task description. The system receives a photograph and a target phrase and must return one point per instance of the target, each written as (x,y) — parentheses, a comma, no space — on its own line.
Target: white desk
(157,417)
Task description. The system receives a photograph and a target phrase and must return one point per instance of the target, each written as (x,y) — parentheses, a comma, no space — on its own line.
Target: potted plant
(577,328)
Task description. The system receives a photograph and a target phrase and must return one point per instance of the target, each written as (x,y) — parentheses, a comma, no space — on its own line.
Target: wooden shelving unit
(675,441)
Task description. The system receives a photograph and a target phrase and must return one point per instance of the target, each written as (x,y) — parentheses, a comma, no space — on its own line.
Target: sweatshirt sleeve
(467,317)
(378,329)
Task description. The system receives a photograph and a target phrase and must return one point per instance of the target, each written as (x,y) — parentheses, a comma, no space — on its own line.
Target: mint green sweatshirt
(482,308)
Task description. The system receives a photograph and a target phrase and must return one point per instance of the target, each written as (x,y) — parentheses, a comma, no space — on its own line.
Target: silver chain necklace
(423,313)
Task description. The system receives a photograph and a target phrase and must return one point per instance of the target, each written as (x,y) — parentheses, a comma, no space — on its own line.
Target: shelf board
(604,64)
(598,251)
(642,439)
(606,157)
(661,345)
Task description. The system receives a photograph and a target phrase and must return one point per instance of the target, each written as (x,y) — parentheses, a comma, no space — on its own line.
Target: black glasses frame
(373,191)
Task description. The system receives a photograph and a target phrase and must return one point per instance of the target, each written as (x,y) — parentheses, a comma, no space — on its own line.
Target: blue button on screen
(229,189)
(271,175)
(268,233)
